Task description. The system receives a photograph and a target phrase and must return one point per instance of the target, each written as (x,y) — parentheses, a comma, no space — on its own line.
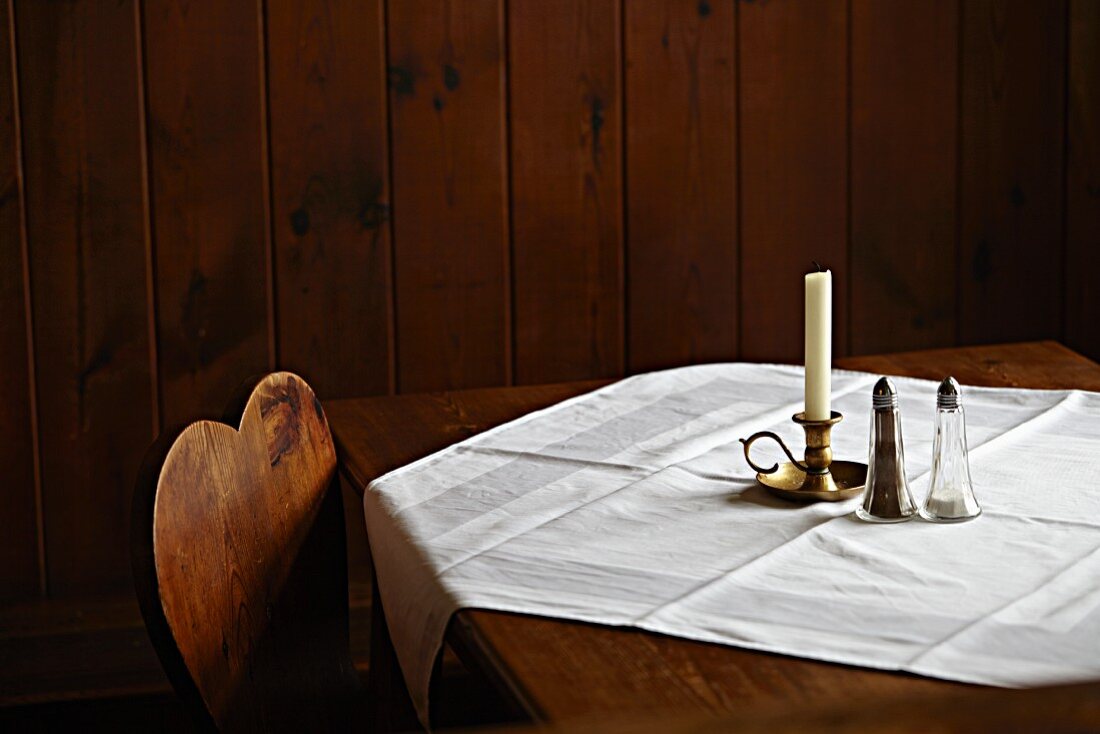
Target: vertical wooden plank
(1010,249)
(1083,180)
(19,571)
(903,166)
(681,92)
(446,82)
(564,99)
(331,194)
(794,198)
(81,116)
(330,186)
(207,180)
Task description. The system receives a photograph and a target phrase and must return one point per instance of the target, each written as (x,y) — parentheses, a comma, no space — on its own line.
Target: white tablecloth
(633,506)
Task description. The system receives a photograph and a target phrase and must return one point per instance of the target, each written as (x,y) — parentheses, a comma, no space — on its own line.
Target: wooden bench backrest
(240,565)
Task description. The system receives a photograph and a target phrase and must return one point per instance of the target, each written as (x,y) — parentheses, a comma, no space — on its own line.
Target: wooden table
(555,669)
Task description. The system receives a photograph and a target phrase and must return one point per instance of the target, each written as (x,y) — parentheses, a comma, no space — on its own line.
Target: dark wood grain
(330,188)
(19,542)
(207,175)
(561,670)
(1082,306)
(1044,365)
(794,194)
(206,197)
(681,87)
(239,564)
(446,82)
(1011,234)
(903,145)
(566,152)
(77,660)
(94,648)
(555,669)
(81,116)
(1068,709)
(331,208)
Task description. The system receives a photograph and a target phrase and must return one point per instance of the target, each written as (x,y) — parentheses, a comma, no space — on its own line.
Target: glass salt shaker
(951,494)
(887,497)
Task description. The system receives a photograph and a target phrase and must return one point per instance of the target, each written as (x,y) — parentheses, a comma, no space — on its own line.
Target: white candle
(819,344)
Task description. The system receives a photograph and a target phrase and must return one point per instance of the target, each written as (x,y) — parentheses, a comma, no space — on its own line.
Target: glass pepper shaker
(887,497)
(951,493)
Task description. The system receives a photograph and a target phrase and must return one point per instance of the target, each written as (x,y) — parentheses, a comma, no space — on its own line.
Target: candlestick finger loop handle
(775,467)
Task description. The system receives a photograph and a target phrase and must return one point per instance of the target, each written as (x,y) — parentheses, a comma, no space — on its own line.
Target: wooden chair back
(239,561)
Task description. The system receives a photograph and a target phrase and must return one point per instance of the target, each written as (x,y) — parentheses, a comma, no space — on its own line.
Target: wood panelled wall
(419,194)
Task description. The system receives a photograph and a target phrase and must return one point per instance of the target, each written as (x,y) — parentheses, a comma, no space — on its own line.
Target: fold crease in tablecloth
(633,506)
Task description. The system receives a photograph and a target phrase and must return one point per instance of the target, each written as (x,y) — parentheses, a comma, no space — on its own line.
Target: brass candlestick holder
(817,477)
